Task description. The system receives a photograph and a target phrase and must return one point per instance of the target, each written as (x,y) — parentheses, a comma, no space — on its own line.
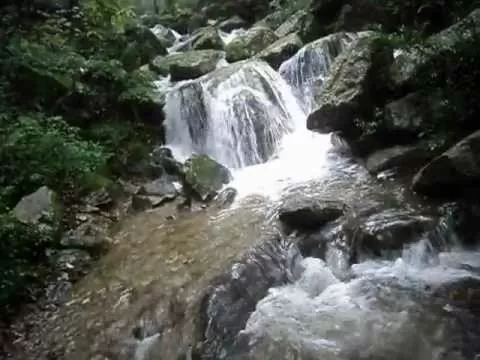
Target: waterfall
(311,64)
(237,115)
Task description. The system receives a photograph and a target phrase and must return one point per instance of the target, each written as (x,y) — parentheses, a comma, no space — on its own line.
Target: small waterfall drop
(237,114)
(311,64)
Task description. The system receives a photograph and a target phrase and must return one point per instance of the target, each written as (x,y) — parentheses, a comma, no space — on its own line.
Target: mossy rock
(281,50)
(205,177)
(208,38)
(251,43)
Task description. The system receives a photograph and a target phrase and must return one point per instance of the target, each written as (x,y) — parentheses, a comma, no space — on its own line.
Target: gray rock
(352,87)
(164,157)
(71,261)
(226,197)
(162,186)
(281,50)
(249,44)
(304,213)
(188,65)
(407,115)
(37,206)
(273,20)
(294,24)
(87,236)
(100,198)
(146,202)
(144,46)
(208,38)
(378,233)
(398,157)
(205,177)
(164,34)
(452,172)
(235,22)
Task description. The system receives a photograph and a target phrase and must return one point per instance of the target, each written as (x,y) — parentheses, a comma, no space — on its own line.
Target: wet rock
(281,50)
(304,213)
(273,20)
(164,34)
(226,197)
(294,24)
(144,46)
(352,88)
(454,171)
(249,44)
(234,296)
(407,115)
(160,187)
(208,38)
(398,158)
(87,236)
(146,202)
(164,157)
(188,65)
(37,207)
(205,177)
(233,23)
(71,261)
(100,199)
(380,232)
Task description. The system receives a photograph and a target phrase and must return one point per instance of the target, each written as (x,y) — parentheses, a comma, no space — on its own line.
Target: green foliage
(36,151)
(22,258)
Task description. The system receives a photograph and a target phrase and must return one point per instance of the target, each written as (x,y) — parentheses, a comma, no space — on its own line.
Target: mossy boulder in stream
(188,65)
(205,177)
(281,50)
(251,43)
(208,38)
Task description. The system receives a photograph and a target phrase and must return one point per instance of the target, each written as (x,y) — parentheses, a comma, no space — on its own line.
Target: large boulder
(304,213)
(37,207)
(410,63)
(208,38)
(249,44)
(204,177)
(294,24)
(164,34)
(143,47)
(356,81)
(188,65)
(273,20)
(281,50)
(408,115)
(398,158)
(233,23)
(452,172)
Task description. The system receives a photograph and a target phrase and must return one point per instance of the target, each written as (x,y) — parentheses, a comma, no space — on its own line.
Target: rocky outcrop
(294,24)
(233,23)
(353,87)
(454,171)
(249,44)
(144,46)
(281,50)
(304,213)
(208,38)
(188,65)
(37,207)
(205,177)
(398,157)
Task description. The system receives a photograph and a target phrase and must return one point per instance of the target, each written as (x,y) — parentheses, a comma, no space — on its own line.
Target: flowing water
(143,299)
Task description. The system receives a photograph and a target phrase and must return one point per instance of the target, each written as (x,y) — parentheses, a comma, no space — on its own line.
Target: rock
(37,207)
(71,261)
(249,10)
(352,88)
(165,35)
(163,186)
(205,177)
(233,23)
(410,63)
(164,157)
(249,44)
(208,38)
(304,213)
(293,24)
(226,198)
(146,202)
(234,296)
(454,171)
(273,20)
(144,46)
(409,114)
(379,233)
(188,65)
(87,236)
(281,50)
(397,157)
(151,20)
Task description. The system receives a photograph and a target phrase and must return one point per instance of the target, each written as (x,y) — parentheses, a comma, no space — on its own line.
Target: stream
(231,279)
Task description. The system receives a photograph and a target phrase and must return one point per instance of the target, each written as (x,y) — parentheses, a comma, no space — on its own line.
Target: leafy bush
(37,150)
